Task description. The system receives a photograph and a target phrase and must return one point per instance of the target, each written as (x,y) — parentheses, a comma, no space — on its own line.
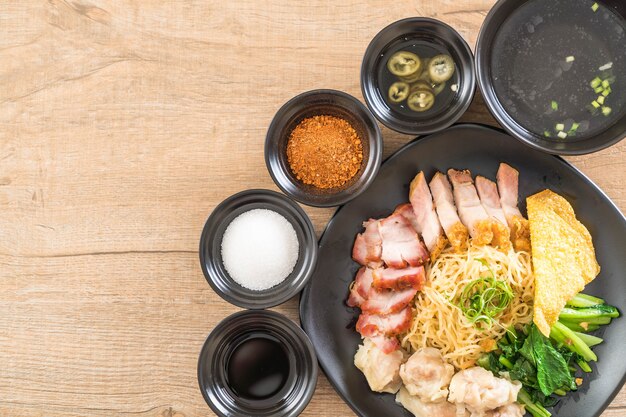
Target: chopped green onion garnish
(606,111)
(570,58)
(596,82)
(600,99)
(559,127)
(546,134)
(484,298)
(562,135)
(574,127)
(555,105)
(598,89)
(606,92)
(606,66)
(606,84)
(595,7)
(595,104)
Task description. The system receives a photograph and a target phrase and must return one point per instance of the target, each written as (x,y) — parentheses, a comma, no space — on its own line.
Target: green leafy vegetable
(533,406)
(547,367)
(589,339)
(583,365)
(525,372)
(584,300)
(580,326)
(552,370)
(601,310)
(564,335)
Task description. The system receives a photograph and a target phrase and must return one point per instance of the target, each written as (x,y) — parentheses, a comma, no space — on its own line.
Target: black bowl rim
(282,321)
(495,107)
(333,199)
(466,99)
(307,268)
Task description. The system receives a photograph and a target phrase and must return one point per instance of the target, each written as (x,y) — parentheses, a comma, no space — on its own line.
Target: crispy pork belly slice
(387,301)
(456,232)
(406,211)
(363,281)
(399,279)
(354,299)
(360,287)
(388,324)
(427,220)
(401,244)
(367,249)
(520,233)
(359,249)
(471,211)
(490,199)
(508,182)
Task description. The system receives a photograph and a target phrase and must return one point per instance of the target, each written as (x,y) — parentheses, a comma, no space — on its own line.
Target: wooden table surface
(122,125)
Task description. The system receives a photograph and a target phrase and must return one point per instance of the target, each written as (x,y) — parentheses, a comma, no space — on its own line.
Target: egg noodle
(437,320)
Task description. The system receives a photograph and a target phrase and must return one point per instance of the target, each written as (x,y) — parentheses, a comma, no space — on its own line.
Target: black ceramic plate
(330,323)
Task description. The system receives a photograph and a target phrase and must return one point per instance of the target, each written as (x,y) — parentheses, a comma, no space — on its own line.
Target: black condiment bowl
(213,362)
(211,254)
(315,103)
(488,33)
(434,32)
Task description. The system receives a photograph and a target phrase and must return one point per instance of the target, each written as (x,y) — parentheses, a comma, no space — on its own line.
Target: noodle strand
(438,321)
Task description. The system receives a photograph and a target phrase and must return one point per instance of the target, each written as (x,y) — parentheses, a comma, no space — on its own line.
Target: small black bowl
(298,379)
(433,32)
(495,20)
(211,244)
(315,103)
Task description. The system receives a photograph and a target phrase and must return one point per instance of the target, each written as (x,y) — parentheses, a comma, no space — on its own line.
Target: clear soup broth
(559,67)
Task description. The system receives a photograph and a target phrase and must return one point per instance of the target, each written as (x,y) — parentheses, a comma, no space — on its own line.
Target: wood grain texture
(122,125)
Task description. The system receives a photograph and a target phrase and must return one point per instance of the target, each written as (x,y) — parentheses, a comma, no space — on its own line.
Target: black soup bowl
(535,63)
(418,34)
(316,103)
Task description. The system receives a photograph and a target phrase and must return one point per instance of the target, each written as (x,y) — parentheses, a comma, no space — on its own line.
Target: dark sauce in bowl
(258,368)
(425,49)
(257,363)
(544,60)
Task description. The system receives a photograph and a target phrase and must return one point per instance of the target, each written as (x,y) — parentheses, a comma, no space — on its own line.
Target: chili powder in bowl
(323,148)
